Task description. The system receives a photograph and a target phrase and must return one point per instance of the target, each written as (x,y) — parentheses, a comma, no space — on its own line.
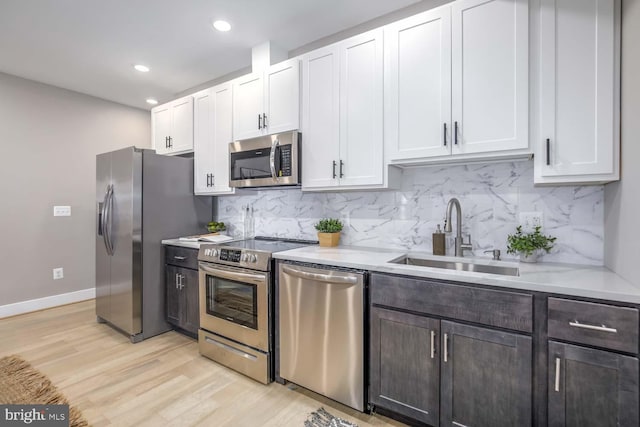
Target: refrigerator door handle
(107,221)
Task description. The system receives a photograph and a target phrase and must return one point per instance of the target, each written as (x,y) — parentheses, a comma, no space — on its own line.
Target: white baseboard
(46,302)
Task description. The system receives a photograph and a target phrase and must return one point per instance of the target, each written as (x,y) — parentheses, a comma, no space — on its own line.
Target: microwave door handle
(272,159)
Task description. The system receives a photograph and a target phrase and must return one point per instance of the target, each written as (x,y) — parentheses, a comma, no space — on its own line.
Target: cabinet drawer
(181,257)
(510,310)
(594,324)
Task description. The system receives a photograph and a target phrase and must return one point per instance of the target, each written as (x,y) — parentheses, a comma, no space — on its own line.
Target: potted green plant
(329,231)
(529,245)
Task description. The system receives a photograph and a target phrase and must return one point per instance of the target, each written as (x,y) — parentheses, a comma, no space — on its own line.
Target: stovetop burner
(249,253)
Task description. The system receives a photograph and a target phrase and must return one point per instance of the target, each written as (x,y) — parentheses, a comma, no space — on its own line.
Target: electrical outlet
(62,211)
(58,273)
(530,220)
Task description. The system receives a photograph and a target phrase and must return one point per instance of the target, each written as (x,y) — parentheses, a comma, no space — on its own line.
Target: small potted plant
(329,231)
(529,245)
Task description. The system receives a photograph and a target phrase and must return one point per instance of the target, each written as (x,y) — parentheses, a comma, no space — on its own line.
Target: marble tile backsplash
(491,196)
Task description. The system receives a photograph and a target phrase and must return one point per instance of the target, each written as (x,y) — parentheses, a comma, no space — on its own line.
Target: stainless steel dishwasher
(321,336)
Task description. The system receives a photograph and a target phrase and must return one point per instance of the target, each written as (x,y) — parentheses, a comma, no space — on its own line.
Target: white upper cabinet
(321,117)
(267,102)
(490,79)
(457,83)
(418,85)
(172,127)
(342,127)
(361,121)
(212,135)
(578,139)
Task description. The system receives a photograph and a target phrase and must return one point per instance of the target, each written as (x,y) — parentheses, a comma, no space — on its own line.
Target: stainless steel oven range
(236,303)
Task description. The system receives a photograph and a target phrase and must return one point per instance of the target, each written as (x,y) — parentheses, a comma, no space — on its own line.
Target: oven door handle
(233,275)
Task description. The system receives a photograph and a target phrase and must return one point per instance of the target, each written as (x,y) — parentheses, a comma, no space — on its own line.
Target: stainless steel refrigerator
(141,199)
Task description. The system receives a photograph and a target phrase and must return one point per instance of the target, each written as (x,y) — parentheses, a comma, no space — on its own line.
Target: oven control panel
(242,258)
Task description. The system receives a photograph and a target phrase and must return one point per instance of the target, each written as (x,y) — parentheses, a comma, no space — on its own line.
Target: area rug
(322,418)
(21,384)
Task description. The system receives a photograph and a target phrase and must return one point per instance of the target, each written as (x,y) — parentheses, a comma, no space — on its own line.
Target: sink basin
(458,266)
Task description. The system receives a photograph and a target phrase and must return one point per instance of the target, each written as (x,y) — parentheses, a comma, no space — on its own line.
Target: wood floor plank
(162,381)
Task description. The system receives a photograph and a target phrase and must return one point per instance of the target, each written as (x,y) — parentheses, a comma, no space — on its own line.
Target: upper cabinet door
(579,82)
(182,125)
(203,141)
(320,118)
(222,135)
(282,86)
(161,128)
(361,110)
(248,106)
(490,46)
(418,85)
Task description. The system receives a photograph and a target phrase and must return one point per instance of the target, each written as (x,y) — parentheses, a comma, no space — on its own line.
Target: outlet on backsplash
(530,220)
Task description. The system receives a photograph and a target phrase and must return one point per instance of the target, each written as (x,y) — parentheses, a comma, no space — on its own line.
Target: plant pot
(529,258)
(329,239)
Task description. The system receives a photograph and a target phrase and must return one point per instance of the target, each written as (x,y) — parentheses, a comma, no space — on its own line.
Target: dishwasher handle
(329,278)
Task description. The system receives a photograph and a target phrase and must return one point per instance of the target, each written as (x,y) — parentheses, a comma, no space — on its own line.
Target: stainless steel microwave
(266,161)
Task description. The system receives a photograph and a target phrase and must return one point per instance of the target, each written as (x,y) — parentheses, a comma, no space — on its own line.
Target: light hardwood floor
(162,381)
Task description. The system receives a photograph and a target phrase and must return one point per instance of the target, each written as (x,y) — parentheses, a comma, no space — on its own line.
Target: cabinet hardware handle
(445,350)
(455,133)
(208,179)
(341,166)
(548,152)
(334,169)
(259,121)
(177,281)
(444,135)
(213,180)
(181,284)
(170,142)
(264,120)
(433,344)
(179,258)
(556,385)
(166,142)
(458,424)
(602,328)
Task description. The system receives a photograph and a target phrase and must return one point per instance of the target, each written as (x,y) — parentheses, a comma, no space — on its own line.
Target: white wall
(50,138)
(622,199)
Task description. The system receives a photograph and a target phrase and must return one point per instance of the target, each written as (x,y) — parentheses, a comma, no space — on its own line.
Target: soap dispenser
(438,242)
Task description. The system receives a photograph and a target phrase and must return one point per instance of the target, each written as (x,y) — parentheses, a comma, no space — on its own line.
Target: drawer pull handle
(557,379)
(180,258)
(602,328)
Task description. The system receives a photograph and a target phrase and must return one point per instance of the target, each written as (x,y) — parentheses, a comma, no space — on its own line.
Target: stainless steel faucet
(459,244)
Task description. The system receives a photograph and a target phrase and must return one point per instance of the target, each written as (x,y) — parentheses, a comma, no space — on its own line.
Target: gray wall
(622,200)
(50,138)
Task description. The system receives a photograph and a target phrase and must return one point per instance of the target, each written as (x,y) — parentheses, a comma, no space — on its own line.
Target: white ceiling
(90,46)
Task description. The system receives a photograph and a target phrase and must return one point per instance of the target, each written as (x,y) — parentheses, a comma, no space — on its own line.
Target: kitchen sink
(458,266)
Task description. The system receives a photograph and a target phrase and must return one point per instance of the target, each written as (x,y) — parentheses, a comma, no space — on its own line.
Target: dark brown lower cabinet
(405,364)
(450,374)
(592,388)
(182,298)
(485,377)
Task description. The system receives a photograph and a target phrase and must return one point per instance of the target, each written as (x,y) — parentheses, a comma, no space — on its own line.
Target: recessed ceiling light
(222,26)
(152,101)
(141,68)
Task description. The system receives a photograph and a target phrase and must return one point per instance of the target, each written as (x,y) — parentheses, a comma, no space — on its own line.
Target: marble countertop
(567,279)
